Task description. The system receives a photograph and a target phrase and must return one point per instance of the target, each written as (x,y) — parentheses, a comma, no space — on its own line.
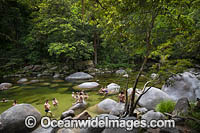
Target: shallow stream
(48,88)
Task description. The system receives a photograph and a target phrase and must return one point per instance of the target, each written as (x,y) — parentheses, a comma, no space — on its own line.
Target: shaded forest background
(112,33)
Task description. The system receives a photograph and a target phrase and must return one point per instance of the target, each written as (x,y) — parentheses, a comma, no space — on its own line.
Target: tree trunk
(95,48)
(131,109)
(126,104)
(148,42)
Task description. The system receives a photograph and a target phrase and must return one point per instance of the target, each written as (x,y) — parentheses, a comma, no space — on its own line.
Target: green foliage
(60,30)
(74,51)
(194,114)
(165,106)
(171,67)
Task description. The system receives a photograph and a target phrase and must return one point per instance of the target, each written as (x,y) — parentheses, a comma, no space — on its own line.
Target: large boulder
(12,120)
(118,109)
(121,72)
(151,115)
(88,85)
(182,106)
(153,97)
(5,86)
(183,85)
(113,88)
(98,129)
(142,110)
(34,81)
(79,76)
(67,114)
(83,116)
(23,80)
(78,106)
(107,105)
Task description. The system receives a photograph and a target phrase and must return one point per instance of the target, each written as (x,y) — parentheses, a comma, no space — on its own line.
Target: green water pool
(48,88)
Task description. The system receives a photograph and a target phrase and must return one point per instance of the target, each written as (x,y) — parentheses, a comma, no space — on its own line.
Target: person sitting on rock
(103,91)
(14,102)
(76,97)
(121,97)
(47,108)
(55,102)
(81,98)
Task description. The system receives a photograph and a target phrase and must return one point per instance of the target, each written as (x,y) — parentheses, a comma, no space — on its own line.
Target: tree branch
(188,118)
(126,104)
(134,87)
(145,86)
(100,4)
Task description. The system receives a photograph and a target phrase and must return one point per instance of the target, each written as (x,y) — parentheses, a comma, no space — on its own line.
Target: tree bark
(134,88)
(126,103)
(95,48)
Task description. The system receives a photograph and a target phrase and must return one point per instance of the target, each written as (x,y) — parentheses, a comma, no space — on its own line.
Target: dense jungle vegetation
(112,33)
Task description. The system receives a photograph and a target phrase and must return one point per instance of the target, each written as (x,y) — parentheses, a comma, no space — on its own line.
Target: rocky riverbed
(35,90)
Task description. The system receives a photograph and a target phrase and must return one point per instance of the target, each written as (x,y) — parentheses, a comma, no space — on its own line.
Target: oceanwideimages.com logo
(128,124)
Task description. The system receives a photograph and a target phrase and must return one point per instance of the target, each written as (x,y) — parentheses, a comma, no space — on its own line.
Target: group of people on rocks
(121,95)
(79,97)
